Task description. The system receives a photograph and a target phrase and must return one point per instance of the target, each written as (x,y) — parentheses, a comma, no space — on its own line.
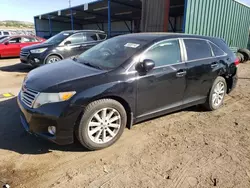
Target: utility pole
(69,3)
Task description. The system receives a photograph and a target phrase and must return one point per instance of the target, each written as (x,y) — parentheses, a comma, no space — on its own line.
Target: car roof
(161,36)
(11,36)
(78,31)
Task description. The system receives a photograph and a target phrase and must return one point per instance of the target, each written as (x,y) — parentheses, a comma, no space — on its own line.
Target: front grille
(24,53)
(28,96)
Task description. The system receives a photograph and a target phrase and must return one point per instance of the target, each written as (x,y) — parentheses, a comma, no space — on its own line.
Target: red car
(12,45)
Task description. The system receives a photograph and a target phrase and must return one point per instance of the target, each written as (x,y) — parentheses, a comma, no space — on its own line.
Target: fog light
(52,130)
(37,60)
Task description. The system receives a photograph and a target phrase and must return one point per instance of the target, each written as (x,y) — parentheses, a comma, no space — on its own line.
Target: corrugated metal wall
(226,19)
(153,15)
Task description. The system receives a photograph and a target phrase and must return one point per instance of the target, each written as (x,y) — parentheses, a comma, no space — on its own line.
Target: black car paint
(58,49)
(155,93)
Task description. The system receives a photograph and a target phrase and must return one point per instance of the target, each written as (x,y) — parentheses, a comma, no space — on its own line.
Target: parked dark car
(123,81)
(63,45)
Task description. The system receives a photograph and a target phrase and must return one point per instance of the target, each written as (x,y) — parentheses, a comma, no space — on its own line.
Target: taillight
(237,62)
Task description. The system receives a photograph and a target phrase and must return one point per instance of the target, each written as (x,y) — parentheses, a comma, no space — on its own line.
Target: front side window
(217,51)
(6,33)
(57,38)
(197,49)
(164,53)
(76,39)
(15,40)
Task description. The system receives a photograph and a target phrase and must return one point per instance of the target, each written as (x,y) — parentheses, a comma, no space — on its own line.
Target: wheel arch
(122,101)
(229,80)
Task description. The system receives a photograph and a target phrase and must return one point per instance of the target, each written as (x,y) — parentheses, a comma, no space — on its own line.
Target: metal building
(226,19)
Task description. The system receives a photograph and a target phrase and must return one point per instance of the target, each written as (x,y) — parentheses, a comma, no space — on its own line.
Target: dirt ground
(191,148)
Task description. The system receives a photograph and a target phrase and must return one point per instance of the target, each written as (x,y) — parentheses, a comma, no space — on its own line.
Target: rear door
(163,87)
(202,69)
(12,49)
(91,39)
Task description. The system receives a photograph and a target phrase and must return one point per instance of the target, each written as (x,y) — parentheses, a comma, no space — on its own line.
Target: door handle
(83,45)
(214,65)
(181,73)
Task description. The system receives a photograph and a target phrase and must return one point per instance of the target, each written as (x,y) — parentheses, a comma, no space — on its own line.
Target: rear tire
(102,124)
(52,59)
(217,94)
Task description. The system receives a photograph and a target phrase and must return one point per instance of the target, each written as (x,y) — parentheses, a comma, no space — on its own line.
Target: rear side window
(102,36)
(217,51)
(90,37)
(6,33)
(28,39)
(164,53)
(197,49)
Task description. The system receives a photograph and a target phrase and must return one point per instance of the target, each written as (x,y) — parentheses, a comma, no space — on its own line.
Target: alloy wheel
(104,125)
(53,60)
(219,93)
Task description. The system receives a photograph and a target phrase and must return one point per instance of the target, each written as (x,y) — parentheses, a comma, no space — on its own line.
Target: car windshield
(112,53)
(57,38)
(2,39)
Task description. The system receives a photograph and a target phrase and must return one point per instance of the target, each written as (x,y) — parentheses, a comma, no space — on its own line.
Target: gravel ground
(191,148)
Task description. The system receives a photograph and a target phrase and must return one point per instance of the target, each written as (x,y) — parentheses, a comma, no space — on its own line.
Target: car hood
(59,76)
(36,46)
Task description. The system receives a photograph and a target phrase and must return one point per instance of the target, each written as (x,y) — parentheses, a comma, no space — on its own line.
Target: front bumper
(60,115)
(33,59)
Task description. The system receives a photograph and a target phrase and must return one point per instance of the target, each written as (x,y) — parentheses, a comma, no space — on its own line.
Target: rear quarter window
(197,49)
(217,50)
(102,36)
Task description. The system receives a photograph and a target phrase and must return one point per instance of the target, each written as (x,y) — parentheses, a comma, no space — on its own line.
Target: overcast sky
(25,10)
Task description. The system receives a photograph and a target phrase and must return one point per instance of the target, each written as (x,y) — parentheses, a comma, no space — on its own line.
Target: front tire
(102,124)
(217,94)
(52,59)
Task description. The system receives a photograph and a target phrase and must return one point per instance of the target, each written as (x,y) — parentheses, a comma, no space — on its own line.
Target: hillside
(11,24)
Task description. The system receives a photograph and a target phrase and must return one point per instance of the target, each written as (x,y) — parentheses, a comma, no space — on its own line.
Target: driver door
(161,89)
(72,45)
(12,49)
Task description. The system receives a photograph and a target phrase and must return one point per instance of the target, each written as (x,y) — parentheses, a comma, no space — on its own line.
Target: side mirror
(145,66)
(67,43)
(6,43)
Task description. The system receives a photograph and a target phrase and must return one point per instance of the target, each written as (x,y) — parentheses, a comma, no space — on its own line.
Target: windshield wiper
(91,65)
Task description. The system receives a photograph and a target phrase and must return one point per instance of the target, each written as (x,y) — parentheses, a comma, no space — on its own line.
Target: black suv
(122,81)
(63,45)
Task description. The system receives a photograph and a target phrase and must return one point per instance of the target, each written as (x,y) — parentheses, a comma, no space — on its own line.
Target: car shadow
(13,137)
(17,68)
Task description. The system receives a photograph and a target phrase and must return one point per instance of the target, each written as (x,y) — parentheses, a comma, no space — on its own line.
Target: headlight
(45,98)
(38,51)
